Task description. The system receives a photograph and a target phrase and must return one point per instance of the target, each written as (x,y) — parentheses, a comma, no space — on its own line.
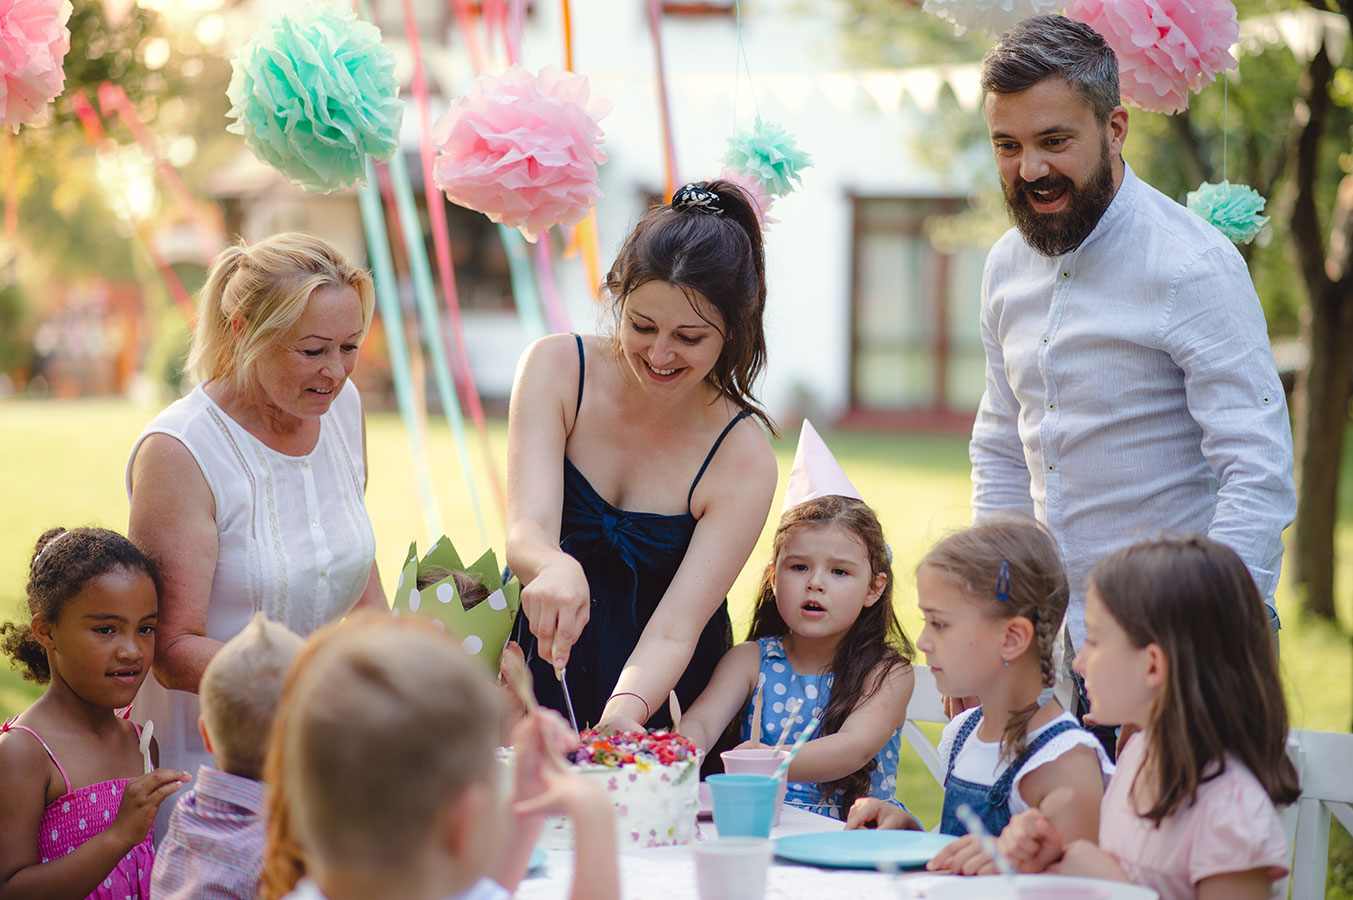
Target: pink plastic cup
(758,762)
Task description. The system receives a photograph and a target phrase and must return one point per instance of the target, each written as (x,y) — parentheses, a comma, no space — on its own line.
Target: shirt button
(1045,340)
(324,575)
(1050,406)
(1066,274)
(305,464)
(1050,467)
(314,523)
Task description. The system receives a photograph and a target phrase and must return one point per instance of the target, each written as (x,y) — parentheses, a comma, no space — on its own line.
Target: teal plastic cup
(744,805)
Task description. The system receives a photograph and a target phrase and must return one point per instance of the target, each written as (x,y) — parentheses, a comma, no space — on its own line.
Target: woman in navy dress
(638,477)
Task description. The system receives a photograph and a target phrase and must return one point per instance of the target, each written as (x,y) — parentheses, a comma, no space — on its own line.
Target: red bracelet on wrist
(635,696)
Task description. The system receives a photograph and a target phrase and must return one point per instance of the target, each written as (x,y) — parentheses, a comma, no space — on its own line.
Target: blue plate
(862,849)
(537,860)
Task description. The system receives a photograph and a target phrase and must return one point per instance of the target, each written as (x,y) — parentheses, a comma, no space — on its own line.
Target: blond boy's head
(390,725)
(240,691)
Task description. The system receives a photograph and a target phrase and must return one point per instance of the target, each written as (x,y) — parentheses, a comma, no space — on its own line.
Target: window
(916,349)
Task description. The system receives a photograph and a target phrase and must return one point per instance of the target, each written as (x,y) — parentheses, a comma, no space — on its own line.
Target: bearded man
(1130,386)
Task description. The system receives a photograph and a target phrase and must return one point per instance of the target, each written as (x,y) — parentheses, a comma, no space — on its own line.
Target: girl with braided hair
(993,597)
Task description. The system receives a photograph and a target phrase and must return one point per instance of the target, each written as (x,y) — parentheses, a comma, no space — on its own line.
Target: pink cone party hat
(815,472)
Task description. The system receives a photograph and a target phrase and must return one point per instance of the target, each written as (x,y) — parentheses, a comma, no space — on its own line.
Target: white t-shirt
(980,761)
(483,889)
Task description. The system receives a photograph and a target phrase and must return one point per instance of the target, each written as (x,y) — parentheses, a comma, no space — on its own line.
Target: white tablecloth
(668,873)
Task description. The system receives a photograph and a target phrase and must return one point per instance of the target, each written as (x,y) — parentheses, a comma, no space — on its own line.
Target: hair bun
(693,196)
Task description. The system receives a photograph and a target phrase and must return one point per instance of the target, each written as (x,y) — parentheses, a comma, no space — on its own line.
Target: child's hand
(964,856)
(617,724)
(1085,859)
(141,800)
(1031,842)
(565,793)
(871,812)
(541,740)
(752,745)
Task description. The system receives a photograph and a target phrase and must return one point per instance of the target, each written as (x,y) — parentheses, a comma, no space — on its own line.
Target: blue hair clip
(1003,582)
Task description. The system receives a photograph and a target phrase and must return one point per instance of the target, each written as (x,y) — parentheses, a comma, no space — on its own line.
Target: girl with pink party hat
(823,632)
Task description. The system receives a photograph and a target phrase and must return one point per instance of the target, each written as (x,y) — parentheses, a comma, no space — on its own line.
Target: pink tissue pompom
(523,149)
(755,191)
(34,41)
(1165,47)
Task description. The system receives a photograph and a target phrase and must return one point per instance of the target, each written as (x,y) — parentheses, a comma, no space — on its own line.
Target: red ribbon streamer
(669,157)
(441,239)
(112,97)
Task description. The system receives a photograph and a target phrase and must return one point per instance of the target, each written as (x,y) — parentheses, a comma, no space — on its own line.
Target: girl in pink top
(75,806)
(1178,645)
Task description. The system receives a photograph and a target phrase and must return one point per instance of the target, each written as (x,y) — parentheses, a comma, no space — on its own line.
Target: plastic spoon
(804,735)
(794,706)
(146,734)
(756,714)
(975,828)
(675,705)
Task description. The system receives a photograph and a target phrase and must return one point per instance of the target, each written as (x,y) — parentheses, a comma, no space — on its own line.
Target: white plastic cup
(732,868)
(758,762)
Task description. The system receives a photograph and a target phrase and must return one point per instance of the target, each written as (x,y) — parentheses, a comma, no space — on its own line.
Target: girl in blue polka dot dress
(75,805)
(824,632)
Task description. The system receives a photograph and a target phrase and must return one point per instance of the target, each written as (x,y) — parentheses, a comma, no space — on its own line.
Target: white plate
(1030,887)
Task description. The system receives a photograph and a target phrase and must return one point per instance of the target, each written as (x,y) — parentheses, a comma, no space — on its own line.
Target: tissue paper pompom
(313,93)
(993,16)
(761,201)
(1165,47)
(523,149)
(768,154)
(34,40)
(1233,208)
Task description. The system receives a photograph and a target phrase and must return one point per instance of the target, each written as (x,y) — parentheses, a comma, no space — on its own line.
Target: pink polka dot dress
(77,816)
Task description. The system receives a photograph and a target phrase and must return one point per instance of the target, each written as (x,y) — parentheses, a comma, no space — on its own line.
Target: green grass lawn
(63,464)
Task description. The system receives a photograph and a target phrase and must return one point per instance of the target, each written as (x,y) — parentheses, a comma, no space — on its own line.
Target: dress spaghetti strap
(60,768)
(582,369)
(713,450)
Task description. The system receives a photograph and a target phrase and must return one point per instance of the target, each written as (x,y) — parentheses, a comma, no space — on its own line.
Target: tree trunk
(1321,412)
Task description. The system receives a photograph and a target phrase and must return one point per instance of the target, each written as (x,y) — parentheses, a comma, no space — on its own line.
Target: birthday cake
(653,778)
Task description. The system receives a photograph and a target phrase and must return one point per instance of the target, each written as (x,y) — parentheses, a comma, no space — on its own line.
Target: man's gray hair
(1054,47)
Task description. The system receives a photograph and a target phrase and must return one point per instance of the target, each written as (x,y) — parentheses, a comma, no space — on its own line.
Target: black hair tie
(692,196)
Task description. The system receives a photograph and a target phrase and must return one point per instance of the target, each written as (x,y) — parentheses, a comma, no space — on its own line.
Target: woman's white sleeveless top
(294,538)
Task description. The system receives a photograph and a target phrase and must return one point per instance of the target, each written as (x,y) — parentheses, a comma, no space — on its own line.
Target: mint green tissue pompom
(313,94)
(769,154)
(1233,208)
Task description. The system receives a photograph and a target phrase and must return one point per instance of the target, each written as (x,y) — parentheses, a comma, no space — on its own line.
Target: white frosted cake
(654,781)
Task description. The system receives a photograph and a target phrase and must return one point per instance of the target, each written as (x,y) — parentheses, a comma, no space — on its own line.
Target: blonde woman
(248,492)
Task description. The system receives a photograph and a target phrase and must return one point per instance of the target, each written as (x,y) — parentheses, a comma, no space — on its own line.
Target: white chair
(926,706)
(1324,762)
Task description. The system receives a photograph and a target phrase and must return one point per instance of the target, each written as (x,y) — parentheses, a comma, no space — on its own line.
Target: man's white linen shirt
(1131,392)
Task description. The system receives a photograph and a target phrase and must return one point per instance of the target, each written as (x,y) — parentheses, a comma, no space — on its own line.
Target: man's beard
(1058,233)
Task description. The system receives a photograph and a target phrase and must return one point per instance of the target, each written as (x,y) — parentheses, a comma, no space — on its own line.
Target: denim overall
(990,802)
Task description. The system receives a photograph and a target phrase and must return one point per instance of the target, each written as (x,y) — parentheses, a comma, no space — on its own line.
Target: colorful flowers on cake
(642,748)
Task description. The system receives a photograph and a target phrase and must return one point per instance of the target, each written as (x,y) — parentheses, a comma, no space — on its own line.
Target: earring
(1007,663)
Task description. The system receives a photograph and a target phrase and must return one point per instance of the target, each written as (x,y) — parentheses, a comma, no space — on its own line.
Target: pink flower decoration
(523,149)
(34,40)
(1165,47)
(752,187)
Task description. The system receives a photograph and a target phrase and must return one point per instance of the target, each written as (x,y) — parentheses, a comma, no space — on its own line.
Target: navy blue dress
(630,559)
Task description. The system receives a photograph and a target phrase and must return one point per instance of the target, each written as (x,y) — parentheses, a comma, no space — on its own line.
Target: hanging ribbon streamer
(585,241)
(669,154)
(432,327)
(95,136)
(524,293)
(10,151)
(554,307)
(465,25)
(441,238)
(387,298)
(210,232)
